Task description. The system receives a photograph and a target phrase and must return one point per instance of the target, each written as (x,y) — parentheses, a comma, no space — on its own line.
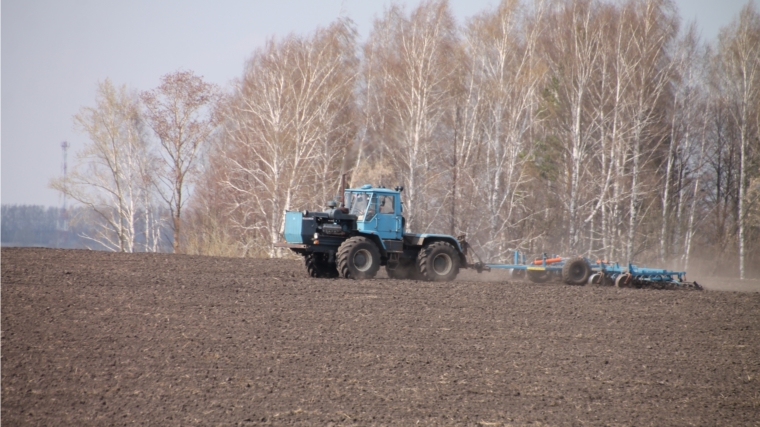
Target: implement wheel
(438,262)
(576,271)
(318,267)
(358,258)
(517,274)
(539,276)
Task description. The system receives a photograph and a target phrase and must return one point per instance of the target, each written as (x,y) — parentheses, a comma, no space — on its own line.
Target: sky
(54,52)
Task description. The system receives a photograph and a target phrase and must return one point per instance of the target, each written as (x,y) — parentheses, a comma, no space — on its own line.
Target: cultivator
(581,270)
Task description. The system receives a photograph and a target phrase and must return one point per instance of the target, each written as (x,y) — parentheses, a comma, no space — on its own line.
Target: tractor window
(358,204)
(363,206)
(372,208)
(386,204)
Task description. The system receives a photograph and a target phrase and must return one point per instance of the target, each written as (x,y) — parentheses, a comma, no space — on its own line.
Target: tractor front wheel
(438,262)
(318,267)
(358,258)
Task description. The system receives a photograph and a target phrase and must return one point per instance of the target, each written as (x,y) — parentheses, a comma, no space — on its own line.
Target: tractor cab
(378,211)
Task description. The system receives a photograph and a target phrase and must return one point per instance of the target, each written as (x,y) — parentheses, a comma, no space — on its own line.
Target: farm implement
(581,270)
(365,229)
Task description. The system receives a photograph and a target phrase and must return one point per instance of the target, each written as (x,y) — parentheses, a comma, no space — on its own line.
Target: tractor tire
(576,271)
(358,258)
(318,267)
(539,276)
(438,262)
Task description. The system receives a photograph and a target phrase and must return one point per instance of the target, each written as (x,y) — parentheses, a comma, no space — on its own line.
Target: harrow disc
(600,279)
(691,285)
(623,281)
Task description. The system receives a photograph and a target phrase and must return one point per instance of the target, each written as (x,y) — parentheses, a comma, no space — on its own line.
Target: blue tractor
(365,231)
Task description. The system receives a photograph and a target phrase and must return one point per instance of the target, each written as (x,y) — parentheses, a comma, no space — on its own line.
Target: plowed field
(95,338)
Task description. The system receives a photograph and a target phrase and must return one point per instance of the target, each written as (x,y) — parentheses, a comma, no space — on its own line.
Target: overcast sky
(55,51)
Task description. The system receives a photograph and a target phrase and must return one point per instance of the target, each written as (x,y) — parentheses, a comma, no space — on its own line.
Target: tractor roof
(368,187)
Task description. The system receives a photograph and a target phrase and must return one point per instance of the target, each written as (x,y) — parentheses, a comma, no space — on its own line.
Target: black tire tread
(424,269)
(570,268)
(319,268)
(345,249)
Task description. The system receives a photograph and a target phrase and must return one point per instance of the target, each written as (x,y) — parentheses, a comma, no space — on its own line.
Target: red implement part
(548,261)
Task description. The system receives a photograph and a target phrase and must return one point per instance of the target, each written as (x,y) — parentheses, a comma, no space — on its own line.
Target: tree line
(590,127)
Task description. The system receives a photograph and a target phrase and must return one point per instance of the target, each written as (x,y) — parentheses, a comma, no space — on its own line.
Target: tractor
(365,231)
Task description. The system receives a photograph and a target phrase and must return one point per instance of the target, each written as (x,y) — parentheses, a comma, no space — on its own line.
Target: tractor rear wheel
(438,262)
(358,258)
(576,271)
(318,267)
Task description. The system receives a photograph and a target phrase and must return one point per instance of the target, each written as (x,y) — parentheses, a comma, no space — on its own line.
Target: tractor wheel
(438,262)
(358,258)
(539,276)
(576,271)
(318,267)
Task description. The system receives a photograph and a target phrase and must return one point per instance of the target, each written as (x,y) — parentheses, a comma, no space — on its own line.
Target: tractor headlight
(316,236)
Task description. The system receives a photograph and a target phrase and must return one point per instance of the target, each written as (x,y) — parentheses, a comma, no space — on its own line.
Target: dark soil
(95,338)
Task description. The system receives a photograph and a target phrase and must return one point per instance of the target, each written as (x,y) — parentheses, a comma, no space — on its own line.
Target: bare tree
(585,122)
(651,26)
(113,173)
(739,52)
(414,70)
(181,112)
(499,104)
(572,48)
(687,119)
(287,129)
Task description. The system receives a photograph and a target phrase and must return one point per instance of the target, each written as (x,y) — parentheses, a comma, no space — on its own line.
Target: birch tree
(414,62)
(572,49)
(500,103)
(112,175)
(687,125)
(739,50)
(287,129)
(181,112)
(652,25)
